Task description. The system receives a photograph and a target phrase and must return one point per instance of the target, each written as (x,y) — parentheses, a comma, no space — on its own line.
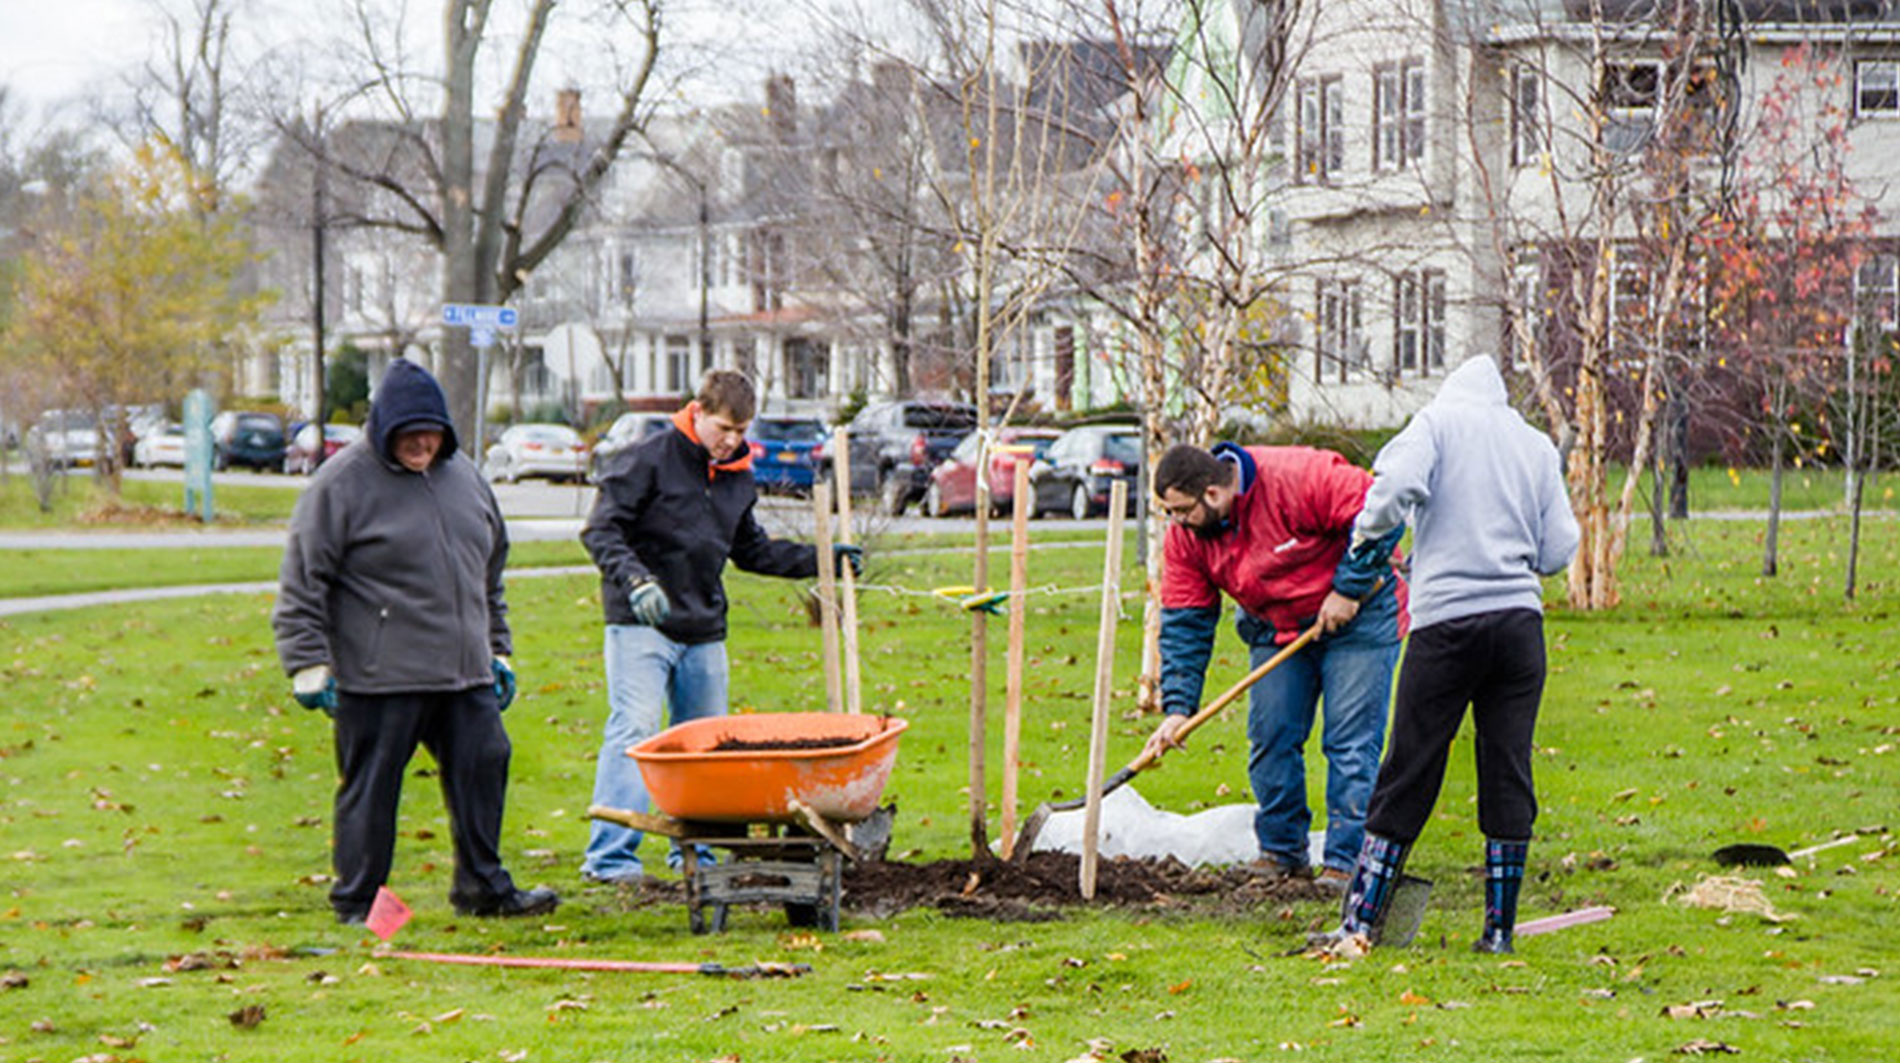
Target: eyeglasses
(1180,514)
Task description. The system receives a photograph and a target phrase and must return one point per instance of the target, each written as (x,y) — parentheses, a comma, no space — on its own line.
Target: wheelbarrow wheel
(805,916)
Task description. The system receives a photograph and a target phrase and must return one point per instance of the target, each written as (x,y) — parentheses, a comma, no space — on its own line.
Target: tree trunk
(1771,541)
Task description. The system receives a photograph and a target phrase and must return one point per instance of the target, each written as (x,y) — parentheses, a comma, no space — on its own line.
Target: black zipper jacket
(662,512)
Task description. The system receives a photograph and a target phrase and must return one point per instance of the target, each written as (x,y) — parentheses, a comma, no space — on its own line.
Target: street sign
(481,337)
(473,315)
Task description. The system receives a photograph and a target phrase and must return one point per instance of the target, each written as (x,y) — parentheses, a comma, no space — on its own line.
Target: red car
(300,457)
(952,486)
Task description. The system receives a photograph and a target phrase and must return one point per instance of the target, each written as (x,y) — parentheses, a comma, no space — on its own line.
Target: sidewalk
(523,530)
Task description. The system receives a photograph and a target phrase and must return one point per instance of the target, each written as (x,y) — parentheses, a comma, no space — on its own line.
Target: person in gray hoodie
(1484,493)
(390,617)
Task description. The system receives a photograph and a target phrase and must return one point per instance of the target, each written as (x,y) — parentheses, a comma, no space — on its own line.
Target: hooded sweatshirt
(1484,493)
(392,577)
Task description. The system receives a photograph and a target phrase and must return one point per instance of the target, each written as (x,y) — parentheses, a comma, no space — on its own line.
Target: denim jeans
(648,676)
(1349,677)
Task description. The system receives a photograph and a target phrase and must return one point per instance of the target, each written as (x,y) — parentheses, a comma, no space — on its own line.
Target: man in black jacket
(672,509)
(390,618)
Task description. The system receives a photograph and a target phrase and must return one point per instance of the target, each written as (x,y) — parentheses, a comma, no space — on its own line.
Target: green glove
(504,683)
(843,554)
(315,688)
(648,602)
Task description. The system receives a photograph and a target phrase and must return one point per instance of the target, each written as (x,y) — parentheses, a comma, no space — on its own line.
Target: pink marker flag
(387,914)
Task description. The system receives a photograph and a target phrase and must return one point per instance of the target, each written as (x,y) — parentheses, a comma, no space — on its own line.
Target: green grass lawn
(80,501)
(166,812)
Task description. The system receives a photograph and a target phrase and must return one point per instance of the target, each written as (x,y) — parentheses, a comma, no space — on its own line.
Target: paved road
(537,511)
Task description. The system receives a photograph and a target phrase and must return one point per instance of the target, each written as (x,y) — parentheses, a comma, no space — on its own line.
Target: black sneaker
(520,902)
(352,917)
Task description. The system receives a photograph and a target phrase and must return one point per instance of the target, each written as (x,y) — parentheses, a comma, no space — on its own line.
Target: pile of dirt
(1039,888)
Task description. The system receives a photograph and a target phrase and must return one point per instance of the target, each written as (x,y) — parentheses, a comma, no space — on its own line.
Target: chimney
(781,105)
(891,79)
(567,116)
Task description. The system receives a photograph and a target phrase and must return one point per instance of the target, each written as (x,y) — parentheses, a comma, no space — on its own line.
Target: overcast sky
(55,49)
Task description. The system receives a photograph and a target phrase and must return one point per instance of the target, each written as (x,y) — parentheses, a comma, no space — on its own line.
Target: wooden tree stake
(827,593)
(841,467)
(1104,684)
(1013,681)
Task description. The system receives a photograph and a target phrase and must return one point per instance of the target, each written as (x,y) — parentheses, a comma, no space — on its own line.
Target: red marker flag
(387,914)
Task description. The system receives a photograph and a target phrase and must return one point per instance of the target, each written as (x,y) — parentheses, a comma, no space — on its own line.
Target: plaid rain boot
(1503,875)
(1374,877)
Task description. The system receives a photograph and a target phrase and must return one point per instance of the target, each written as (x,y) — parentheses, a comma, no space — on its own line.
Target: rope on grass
(993,602)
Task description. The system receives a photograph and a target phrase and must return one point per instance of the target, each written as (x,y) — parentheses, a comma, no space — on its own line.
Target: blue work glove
(647,600)
(504,683)
(843,554)
(315,688)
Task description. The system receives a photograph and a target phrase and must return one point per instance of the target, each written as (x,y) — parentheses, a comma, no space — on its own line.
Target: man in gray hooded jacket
(390,617)
(1484,492)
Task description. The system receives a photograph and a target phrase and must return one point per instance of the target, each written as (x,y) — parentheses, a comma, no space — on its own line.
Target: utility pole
(318,209)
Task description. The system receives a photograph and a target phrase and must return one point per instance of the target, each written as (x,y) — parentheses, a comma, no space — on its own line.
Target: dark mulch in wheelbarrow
(735,744)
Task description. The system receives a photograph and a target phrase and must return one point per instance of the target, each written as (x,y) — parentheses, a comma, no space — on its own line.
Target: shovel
(1026,840)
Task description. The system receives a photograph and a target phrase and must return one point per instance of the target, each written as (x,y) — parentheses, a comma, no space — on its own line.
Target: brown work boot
(1269,868)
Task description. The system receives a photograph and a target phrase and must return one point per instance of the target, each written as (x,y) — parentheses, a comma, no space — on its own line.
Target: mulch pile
(1040,888)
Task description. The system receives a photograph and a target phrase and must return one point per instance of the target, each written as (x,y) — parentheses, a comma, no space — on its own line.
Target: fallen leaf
(1701,1047)
(1413,1000)
(874,937)
(1700,1009)
(247,1017)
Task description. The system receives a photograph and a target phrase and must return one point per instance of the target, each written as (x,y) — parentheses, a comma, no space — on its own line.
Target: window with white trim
(1877,290)
(1398,114)
(1418,327)
(1629,96)
(1321,137)
(1340,344)
(1877,88)
(1527,110)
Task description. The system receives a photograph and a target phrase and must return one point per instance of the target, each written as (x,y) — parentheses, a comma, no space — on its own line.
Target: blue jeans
(1350,676)
(648,674)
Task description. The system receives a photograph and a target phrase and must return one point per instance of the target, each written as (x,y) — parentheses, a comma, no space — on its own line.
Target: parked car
(248,438)
(553,451)
(894,445)
(782,449)
(65,438)
(627,429)
(953,483)
(1076,472)
(162,444)
(301,458)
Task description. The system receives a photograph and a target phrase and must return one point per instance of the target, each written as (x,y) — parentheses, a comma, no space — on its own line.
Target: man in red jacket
(1270,526)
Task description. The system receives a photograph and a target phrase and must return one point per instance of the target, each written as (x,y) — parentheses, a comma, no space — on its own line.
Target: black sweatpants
(1494,663)
(376,735)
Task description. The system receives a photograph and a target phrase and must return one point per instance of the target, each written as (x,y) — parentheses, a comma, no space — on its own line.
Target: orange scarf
(683,420)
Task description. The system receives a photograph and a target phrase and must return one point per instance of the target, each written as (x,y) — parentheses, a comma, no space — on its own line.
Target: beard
(1213,529)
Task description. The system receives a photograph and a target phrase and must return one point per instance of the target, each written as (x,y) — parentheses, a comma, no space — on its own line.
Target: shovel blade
(1405,913)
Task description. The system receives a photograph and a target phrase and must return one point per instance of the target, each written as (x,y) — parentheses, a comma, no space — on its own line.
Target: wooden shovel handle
(1214,707)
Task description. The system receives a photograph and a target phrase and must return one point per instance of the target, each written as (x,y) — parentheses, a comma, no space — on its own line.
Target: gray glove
(647,600)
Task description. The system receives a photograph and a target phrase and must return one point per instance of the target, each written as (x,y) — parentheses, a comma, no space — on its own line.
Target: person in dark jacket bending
(672,509)
(390,617)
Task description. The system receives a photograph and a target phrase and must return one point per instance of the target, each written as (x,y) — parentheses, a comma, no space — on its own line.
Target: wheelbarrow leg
(689,869)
